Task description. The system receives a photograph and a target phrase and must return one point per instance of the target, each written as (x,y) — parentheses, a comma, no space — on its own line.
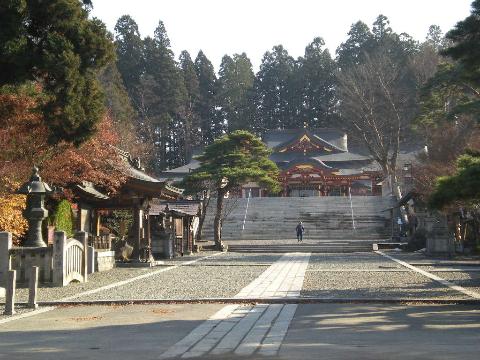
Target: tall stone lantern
(35,212)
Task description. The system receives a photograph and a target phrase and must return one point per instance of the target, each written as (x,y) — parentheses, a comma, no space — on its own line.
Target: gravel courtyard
(215,275)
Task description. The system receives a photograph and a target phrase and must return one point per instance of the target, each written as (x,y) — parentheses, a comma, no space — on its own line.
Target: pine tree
(466,44)
(231,161)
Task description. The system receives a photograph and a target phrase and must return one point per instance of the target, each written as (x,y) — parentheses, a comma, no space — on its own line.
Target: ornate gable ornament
(305,143)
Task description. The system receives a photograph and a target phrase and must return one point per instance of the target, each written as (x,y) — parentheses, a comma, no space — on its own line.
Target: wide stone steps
(334,248)
(323,218)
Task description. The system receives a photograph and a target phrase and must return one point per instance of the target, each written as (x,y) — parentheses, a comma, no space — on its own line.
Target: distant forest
(175,105)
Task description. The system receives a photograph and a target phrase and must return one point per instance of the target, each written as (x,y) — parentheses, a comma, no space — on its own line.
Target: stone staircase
(270,223)
(318,247)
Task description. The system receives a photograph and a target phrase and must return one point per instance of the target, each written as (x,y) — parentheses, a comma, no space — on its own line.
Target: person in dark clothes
(300,230)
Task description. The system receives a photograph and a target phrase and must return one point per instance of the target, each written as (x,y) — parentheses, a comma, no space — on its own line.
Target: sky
(220,27)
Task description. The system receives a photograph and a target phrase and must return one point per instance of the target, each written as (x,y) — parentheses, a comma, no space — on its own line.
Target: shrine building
(312,162)
(317,162)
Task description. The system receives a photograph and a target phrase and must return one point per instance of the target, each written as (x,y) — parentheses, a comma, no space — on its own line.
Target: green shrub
(63,217)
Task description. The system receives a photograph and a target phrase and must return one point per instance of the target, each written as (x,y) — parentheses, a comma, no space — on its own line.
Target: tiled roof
(188,207)
(274,138)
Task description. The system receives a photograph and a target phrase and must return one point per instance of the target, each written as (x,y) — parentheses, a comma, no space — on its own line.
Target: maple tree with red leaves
(24,143)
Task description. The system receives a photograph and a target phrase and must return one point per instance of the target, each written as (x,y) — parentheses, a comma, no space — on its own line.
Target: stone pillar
(59,270)
(10,296)
(5,262)
(33,288)
(91,260)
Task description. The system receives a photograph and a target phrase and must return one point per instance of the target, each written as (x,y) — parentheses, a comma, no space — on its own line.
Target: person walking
(300,230)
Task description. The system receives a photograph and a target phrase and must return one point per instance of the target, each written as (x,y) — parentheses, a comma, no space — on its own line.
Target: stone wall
(100,260)
(23,258)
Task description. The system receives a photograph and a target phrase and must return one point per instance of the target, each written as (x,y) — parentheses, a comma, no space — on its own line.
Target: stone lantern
(35,212)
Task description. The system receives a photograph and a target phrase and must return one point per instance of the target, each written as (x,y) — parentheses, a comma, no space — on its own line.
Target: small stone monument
(439,240)
(35,212)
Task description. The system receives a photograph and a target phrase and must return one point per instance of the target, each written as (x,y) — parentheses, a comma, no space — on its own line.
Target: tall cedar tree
(317,76)
(233,160)
(122,112)
(129,49)
(163,93)
(211,123)
(236,80)
(189,116)
(57,45)
(273,90)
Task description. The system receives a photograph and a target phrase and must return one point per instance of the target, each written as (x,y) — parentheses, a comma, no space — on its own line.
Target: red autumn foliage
(24,143)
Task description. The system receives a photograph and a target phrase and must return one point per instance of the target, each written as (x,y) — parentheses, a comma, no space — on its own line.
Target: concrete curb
(292,300)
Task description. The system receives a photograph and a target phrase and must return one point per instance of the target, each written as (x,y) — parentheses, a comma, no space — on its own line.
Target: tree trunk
(201,220)
(217,222)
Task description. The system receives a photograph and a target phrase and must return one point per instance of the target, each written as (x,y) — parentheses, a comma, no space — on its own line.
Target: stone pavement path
(245,330)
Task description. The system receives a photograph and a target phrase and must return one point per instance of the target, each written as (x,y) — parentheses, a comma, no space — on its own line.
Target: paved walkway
(215,331)
(245,330)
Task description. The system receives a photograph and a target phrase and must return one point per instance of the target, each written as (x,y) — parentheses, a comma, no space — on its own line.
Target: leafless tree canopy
(376,102)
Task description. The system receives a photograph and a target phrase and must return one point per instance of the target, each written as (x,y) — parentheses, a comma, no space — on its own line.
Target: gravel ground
(468,280)
(394,282)
(351,261)
(220,276)
(186,283)
(18,309)
(419,259)
(374,285)
(96,280)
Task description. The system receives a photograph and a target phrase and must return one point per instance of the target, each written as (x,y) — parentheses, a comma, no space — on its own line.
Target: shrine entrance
(303,191)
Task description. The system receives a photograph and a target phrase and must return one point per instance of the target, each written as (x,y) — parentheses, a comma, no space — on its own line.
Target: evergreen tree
(317,76)
(231,161)
(435,37)
(466,44)
(190,118)
(273,91)
(163,91)
(56,44)
(212,125)
(116,96)
(236,80)
(129,48)
(359,41)
(381,28)
(463,186)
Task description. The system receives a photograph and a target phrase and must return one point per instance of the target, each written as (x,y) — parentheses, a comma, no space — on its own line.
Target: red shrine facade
(318,162)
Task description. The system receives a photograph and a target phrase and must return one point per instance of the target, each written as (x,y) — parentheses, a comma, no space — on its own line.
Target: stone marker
(10,298)
(33,288)
(5,246)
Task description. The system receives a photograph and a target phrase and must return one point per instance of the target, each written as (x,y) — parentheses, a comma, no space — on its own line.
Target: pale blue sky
(220,27)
